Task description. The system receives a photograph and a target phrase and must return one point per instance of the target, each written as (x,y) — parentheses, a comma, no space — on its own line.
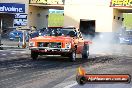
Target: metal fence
(6,42)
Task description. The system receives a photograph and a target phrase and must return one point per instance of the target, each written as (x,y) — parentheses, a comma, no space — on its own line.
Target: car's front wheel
(73,56)
(34,55)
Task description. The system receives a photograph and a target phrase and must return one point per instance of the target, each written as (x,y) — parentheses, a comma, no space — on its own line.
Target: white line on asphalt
(70,77)
(3,68)
(23,52)
(4,54)
(13,53)
(71,85)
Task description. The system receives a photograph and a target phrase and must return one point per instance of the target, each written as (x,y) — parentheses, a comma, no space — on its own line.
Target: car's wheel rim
(87,52)
(73,56)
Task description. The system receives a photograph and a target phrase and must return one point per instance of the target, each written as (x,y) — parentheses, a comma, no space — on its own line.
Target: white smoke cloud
(103,43)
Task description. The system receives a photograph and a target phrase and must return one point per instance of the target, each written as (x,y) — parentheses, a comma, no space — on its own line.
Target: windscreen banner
(12,8)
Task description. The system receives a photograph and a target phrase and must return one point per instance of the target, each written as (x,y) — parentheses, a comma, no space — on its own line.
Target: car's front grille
(50,44)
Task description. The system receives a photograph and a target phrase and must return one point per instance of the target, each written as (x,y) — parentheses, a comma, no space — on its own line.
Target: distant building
(92,15)
(103,15)
(15,13)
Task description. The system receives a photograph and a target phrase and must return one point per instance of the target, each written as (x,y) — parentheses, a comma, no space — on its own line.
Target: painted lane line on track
(3,68)
(23,52)
(70,77)
(71,85)
(67,84)
(13,53)
(4,54)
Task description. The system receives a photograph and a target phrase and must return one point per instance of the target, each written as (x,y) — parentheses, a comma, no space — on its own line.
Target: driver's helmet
(52,32)
(57,32)
(72,33)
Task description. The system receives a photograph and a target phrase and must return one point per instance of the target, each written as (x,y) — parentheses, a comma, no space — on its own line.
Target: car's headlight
(11,33)
(31,43)
(68,45)
(40,34)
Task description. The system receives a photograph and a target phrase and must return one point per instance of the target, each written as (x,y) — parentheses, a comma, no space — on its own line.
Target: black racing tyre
(73,56)
(34,55)
(85,52)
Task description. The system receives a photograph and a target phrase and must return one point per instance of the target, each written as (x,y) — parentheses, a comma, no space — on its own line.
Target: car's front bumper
(49,51)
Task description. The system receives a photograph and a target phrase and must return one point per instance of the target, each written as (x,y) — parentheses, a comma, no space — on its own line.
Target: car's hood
(51,39)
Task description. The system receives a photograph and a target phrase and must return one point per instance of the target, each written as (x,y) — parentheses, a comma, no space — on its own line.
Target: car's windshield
(59,32)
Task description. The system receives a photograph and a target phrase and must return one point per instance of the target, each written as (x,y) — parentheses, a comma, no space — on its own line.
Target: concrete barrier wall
(117,22)
(38,17)
(92,10)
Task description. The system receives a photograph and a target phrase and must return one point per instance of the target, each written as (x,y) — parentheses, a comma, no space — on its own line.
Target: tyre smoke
(102,43)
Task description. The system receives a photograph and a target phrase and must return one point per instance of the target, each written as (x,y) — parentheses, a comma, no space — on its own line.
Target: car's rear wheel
(34,55)
(73,56)
(85,52)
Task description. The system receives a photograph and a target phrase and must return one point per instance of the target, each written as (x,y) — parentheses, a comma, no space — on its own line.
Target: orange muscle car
(66,41)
